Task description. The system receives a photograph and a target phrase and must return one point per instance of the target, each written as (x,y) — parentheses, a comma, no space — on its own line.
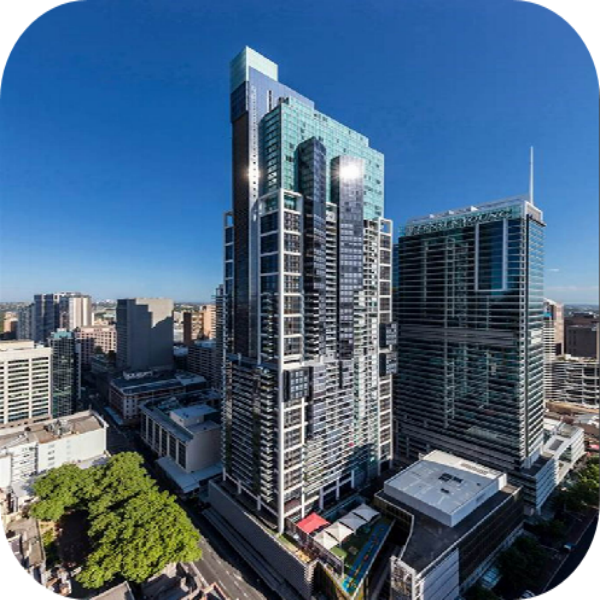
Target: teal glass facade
(469,306)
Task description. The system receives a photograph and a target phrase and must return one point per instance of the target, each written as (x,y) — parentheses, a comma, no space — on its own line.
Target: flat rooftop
(445,482)
(50,430)
(194,411)
(432,538)
(157,382)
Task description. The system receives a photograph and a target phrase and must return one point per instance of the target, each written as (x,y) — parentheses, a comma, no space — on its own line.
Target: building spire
(531,175)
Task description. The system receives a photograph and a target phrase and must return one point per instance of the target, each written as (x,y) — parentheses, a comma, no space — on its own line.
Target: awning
(365,512)
(338,531)
(325,540)
(352,521)
(311,523)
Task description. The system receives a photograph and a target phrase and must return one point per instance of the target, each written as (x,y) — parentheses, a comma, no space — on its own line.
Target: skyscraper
(307,302)
(63,310)
(25,382)
(470,308)
(66,373)
(144,334)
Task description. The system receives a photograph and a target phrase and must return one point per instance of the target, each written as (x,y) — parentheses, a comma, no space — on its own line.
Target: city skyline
(148,148)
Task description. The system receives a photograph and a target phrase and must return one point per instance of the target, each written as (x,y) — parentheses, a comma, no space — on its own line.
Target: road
(576,556)
(220,562)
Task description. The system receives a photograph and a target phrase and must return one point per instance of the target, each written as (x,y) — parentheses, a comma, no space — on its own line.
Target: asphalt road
(576,556)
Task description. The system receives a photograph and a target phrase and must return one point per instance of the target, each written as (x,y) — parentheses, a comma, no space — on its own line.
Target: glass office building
(469,306)
(307,302)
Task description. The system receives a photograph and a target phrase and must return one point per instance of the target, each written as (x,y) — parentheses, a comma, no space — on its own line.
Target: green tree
(123,477)
(138,539)
(478,592)
(59,490)
(522,565)
(135,529)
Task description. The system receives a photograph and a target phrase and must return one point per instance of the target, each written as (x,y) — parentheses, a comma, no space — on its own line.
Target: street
(576,556)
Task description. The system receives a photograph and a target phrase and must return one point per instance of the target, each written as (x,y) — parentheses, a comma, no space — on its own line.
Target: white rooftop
(444,487)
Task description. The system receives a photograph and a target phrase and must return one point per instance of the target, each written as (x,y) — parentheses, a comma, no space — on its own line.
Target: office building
(97,339)
(199,324)
(553,338)
(25,322)
(453,517)
(307,404)
(575,379)
(129,392)
(470,308)
(581,335)
(582,340)
(62,310)
(25,382)
(144,334)
(66,373)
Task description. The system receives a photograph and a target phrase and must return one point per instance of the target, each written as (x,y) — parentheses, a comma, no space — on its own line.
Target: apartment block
(25,382)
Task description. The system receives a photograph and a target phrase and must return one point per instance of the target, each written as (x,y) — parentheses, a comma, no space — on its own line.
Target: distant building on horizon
(25,322)
(145,334)
(62,310)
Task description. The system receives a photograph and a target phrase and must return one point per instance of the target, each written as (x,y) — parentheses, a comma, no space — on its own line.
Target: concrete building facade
(144,334)
(103,337)
(25,382)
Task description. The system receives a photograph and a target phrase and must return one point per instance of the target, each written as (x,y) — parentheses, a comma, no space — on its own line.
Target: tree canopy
(135,529)
(522,564)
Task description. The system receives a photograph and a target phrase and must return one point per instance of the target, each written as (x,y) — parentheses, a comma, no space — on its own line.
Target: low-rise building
(452,517)
(29,451)
(25,541)
(187,438)
(564,445)
(128,392)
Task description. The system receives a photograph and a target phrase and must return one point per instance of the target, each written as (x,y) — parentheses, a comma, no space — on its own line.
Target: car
(568,547)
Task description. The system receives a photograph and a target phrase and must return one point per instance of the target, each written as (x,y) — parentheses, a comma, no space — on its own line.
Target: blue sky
(115,138)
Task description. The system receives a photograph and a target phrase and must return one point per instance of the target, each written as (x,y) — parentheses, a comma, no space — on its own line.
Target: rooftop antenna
(531,175)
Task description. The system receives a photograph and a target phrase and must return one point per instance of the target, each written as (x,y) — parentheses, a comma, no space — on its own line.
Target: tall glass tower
(469,306)
(307,302)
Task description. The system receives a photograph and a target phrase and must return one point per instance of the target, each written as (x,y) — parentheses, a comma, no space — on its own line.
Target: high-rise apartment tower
(307,406)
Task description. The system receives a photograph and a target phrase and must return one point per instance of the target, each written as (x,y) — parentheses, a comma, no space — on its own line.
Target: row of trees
(522,566)
(584,492)
(135,529)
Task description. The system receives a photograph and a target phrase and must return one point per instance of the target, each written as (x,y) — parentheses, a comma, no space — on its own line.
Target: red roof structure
(311,523)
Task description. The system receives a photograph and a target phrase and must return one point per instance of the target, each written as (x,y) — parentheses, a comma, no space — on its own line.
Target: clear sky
(115,135)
